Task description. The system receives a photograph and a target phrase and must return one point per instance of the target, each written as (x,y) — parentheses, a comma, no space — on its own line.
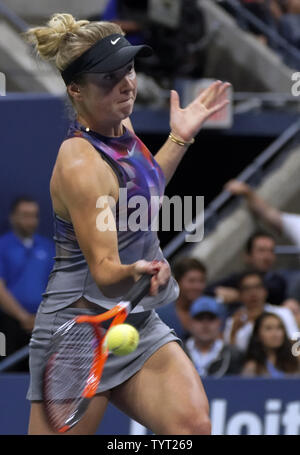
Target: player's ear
(74,91)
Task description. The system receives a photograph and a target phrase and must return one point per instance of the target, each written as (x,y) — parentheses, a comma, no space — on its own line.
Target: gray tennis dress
(138,175)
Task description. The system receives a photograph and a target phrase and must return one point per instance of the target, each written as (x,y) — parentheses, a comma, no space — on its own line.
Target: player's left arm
(186,123)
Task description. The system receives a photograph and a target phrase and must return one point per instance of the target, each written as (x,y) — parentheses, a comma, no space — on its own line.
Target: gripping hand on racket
(78,352)
(159,269)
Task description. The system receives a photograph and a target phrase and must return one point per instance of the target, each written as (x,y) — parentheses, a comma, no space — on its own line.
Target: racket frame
(119,313)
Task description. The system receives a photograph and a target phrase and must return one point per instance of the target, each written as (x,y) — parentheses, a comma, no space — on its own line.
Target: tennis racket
(76,359)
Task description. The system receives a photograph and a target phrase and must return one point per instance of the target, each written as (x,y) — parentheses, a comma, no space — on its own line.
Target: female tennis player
(157,384)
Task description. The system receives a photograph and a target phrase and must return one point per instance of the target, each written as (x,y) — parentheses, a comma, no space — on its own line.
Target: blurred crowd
(280,16)
(161,24)
(254,339)
(243,324)
(246,323)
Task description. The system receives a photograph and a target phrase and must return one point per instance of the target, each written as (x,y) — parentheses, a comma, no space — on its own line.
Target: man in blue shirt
(26,260)
(205,347)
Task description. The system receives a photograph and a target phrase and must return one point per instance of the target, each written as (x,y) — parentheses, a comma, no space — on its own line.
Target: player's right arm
(82,177)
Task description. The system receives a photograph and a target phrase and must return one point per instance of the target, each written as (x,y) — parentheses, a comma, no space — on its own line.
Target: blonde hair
(63,39)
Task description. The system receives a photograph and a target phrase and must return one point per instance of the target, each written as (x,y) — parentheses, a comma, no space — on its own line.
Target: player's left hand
(160,271)
(186,123)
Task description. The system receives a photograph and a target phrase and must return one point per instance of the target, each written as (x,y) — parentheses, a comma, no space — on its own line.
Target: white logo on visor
(115,41)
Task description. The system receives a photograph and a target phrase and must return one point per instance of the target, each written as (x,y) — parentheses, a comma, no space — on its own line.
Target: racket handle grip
(138,290)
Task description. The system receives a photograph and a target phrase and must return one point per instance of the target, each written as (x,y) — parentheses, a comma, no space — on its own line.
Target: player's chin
(126,109)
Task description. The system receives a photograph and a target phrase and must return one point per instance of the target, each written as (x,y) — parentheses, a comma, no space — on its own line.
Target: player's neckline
(101,136)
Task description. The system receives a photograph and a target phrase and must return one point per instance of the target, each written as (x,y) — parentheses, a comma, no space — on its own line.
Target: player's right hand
(159,269)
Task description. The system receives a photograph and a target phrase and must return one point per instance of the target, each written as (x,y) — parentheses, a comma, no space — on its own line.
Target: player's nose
(128,82)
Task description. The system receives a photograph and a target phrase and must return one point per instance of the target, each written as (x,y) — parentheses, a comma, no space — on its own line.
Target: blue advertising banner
(237,406)
(254,406)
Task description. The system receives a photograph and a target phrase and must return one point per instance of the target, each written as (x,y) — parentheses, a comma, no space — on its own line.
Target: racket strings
(67,372)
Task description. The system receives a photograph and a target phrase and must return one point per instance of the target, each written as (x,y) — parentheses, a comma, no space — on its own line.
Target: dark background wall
(32,128)
(208,165)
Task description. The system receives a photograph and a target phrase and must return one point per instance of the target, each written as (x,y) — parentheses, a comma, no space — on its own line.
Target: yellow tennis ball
(122,339)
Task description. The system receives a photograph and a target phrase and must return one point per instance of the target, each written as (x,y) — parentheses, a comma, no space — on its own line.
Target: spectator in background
(186,58)
(253,294)
(26,259)
(265,10)
(292,6)
(289,24)
(294,306)
(283,223)
(260,256)
(270,351)
(190,274)
(208,352)
(130,15)
(281,17)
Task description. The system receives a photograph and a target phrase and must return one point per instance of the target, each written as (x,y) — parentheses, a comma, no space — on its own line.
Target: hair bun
(63,38)
(64,23)
(47,39)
